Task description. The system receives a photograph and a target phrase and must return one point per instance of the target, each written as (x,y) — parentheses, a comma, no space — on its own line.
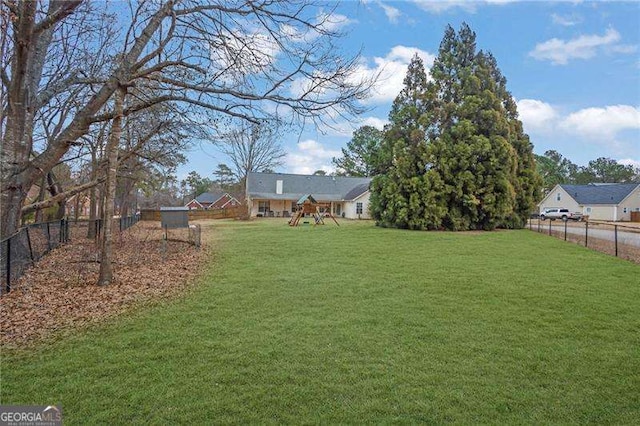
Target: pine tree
(401,197)
(360,157)
(478,148)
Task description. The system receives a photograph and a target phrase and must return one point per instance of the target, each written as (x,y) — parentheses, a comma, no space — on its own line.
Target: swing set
(308,205)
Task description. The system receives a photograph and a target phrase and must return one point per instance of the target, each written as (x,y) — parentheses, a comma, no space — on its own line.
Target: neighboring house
(276,194)
(79,205)
(213,200)
(600,201)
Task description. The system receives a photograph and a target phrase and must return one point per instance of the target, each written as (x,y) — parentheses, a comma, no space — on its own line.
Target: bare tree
(252,148)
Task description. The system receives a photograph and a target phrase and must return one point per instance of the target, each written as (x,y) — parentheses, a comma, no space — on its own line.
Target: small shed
(174,217)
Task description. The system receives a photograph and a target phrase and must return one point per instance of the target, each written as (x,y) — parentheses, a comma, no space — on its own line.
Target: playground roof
(305,198)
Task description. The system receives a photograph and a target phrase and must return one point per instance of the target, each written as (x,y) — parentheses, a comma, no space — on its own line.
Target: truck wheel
(564,218)
(542,218)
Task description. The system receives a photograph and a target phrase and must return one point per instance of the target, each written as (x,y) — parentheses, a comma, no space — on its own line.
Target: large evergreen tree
(403,195)
(460,159)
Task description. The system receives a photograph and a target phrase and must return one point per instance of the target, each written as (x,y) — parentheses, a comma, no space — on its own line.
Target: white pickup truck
(560,213)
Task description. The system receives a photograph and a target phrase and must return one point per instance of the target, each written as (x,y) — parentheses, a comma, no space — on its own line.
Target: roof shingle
(600,194)
(323,188)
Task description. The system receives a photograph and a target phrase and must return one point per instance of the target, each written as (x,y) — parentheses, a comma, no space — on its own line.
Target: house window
(588,209)
(263,207)
(358,208)
(624,210)
(558,196)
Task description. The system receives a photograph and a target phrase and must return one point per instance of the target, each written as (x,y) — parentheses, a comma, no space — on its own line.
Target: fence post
(538,225)
(565,229)
(549,226)
(615,231)
(29,243)
(586,234)
(8,287)
(48,236)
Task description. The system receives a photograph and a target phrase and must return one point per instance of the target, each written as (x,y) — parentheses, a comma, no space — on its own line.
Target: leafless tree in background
(252,148)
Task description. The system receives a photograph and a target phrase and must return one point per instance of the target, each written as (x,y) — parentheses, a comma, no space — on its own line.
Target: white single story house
(600,201)
(276,194)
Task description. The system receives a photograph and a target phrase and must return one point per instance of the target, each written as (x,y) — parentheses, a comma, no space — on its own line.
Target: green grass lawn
(360,324)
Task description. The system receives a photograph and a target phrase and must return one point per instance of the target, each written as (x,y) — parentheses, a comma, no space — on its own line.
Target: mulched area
(60,293)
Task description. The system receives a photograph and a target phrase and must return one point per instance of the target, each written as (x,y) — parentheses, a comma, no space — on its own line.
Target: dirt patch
(59,291)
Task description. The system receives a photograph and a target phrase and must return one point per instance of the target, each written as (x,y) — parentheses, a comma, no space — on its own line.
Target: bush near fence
(33,241)
(234,212)
(623,241)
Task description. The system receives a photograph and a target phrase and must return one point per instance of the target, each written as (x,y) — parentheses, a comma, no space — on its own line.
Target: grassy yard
(358,324)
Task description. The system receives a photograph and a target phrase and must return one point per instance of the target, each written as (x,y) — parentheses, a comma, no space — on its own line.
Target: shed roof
(323,188)
(600,193)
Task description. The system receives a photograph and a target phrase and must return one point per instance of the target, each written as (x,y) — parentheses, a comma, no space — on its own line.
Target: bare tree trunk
(76,210)
(106,269)
(55,190)
(93,195)
(39,212)
(31,44)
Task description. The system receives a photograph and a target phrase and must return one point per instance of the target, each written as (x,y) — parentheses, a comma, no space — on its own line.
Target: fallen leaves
(60,293)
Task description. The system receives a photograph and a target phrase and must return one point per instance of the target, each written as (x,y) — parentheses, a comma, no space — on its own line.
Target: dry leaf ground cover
(59,293)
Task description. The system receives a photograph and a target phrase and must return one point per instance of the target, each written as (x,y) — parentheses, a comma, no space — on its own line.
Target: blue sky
(572,66)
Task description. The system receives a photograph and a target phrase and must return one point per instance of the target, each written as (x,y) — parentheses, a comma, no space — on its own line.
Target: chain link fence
(33,241)
(620,240)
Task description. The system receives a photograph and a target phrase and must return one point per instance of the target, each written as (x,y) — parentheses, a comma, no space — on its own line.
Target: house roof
(323,188)
(357,191)
(209,197)
(600,193)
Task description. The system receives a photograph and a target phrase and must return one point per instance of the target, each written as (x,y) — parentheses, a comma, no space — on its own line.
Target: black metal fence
(123,223)
(28,245)
(31,242)
(616,239)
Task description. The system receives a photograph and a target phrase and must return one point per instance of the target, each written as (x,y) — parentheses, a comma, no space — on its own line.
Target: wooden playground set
(307,205)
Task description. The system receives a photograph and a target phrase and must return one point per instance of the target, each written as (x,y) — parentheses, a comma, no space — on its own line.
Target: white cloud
(376,122)
(392,13)
(324,23)
(311,156)
(536,116)
(391,70)
(630,161)
(602,123)
(439,6)
(567,20)
(333,22)
(559,51)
